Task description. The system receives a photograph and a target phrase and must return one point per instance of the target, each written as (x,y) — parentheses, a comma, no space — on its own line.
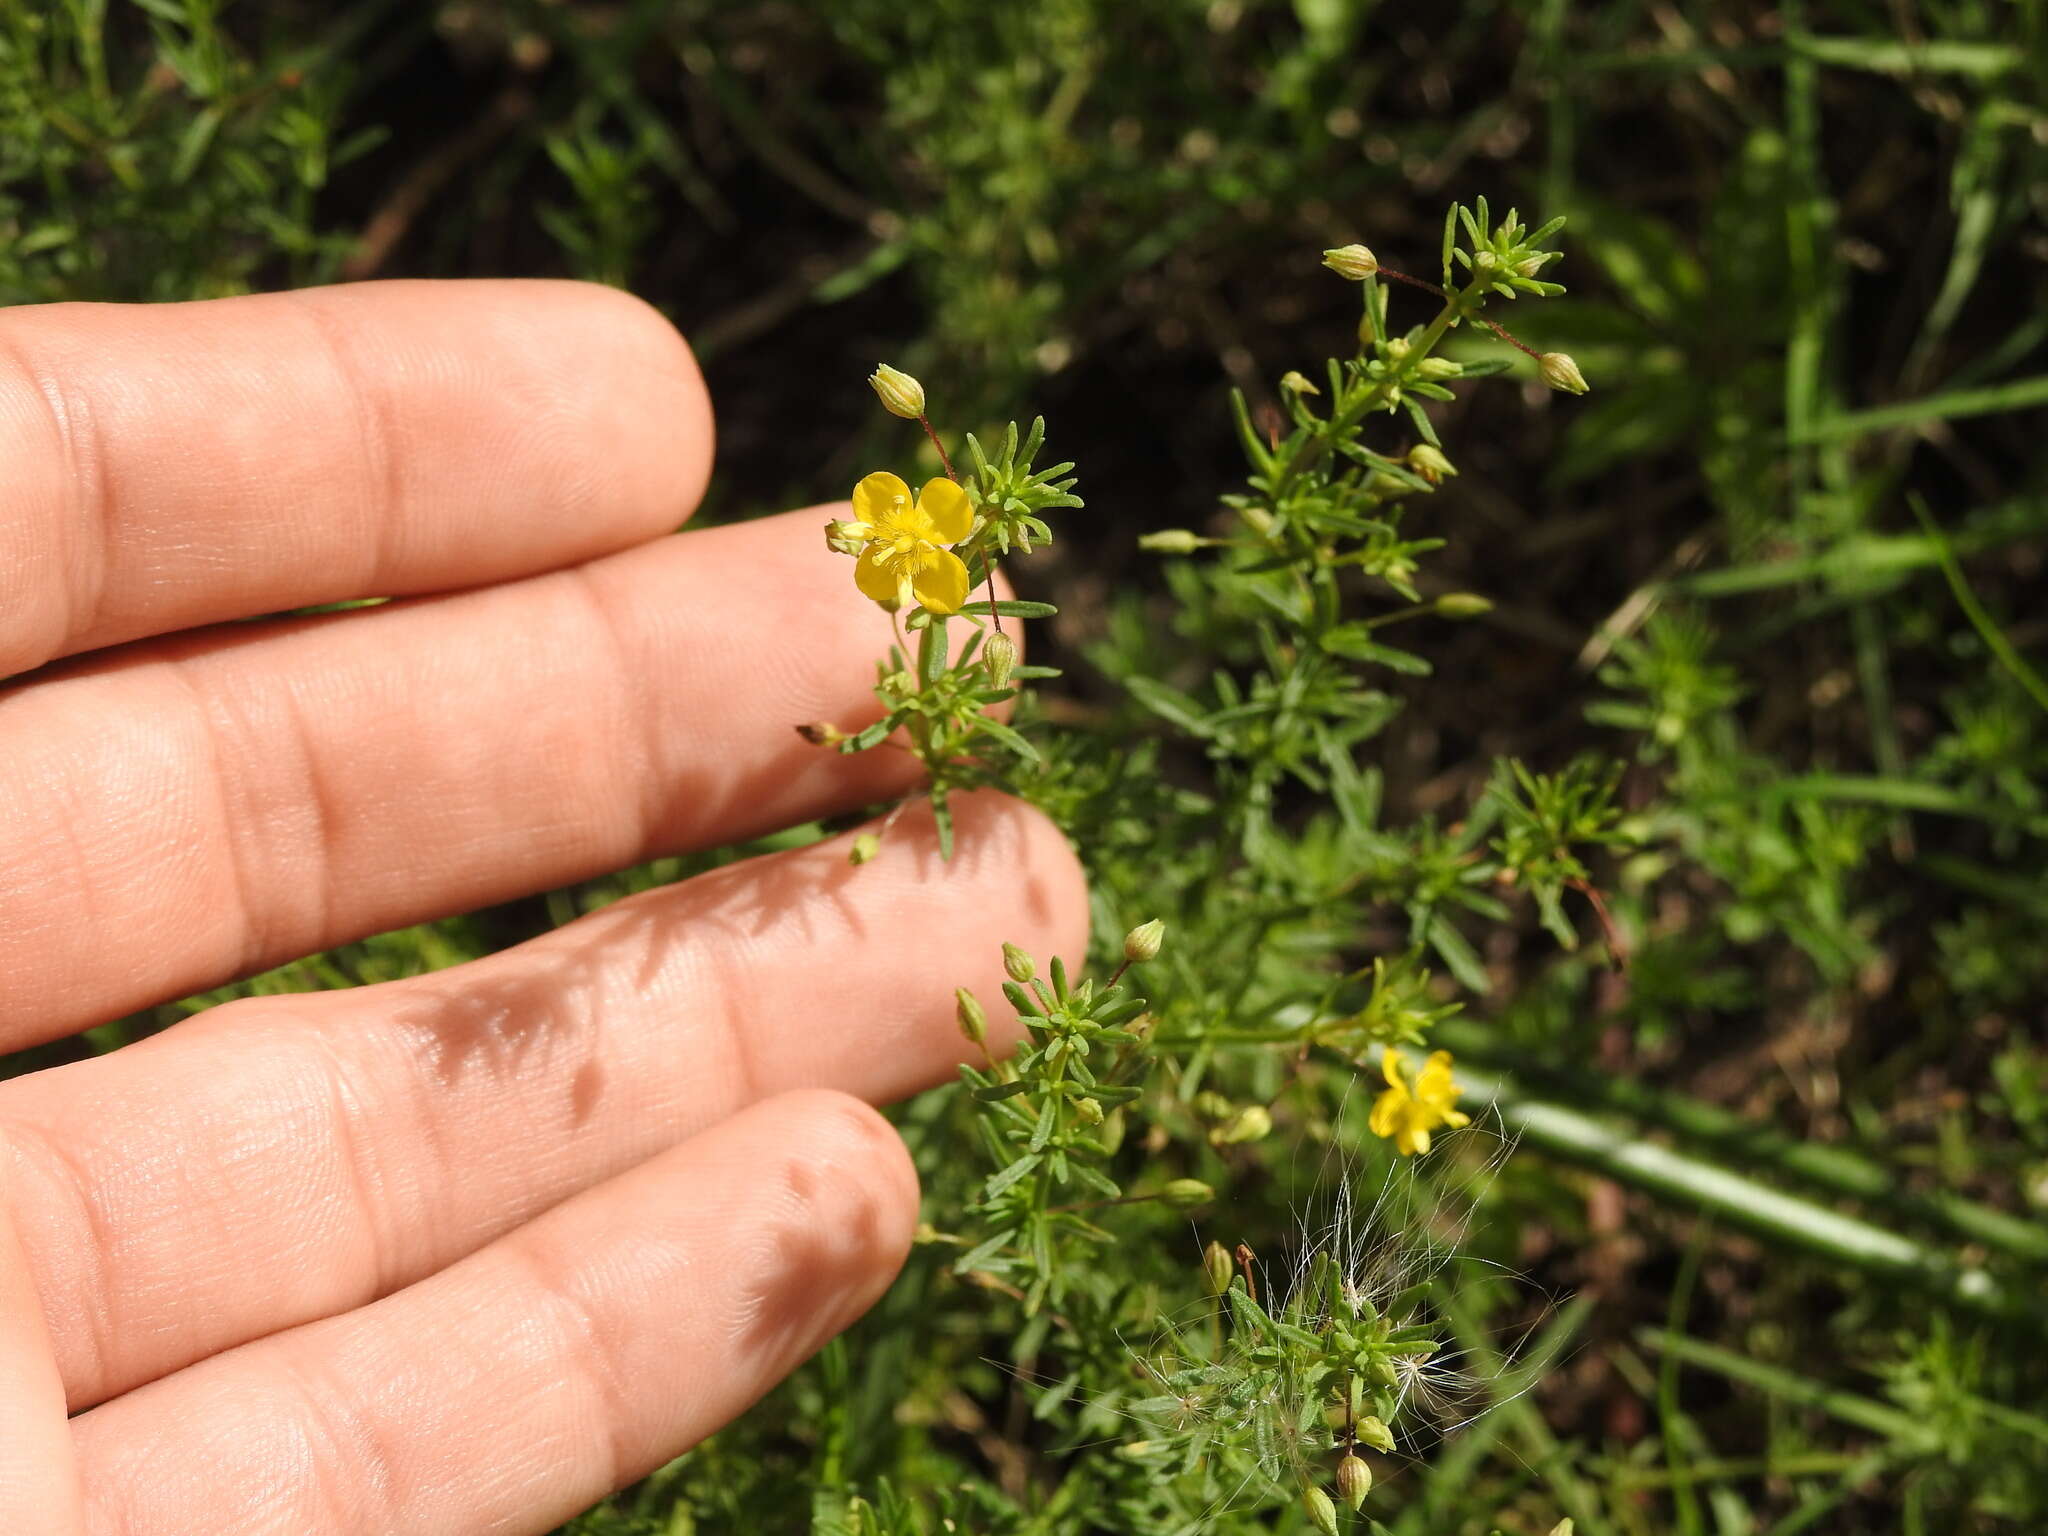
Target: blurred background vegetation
(1808,260)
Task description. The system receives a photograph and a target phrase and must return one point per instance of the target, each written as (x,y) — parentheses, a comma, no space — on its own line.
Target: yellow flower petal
(1414,1140)
(1386,1112)
(872,573)
(1390,1069)
(942,585)
(877,498)
(952,517)
(1454,1118)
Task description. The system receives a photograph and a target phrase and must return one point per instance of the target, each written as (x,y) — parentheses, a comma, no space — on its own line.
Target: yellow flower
(1409,1115)
(901,542)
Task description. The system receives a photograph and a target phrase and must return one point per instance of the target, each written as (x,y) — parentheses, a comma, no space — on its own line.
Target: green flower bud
(1297,384)
(1374,1432)
(1252,1123)
(1353,262)
(1322,1514)
(1438,368)
(1462,605)
(865,847)
(1258,519)
(973,1022)
(1112,1135)
(844,537)
(1142,942)
(1000,657)
(1561,373)
(1529,266)
(1217,1268)
(1397,349)
(1211,1105)
(1172,541)
(821,733)
(1429,462)
(1563,1527)
(1187,1194)
(900,394)
(1089,1111)
(1354,1481)
(1017,965)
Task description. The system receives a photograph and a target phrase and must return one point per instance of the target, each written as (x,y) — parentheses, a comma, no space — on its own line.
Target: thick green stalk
(1740,1201)
(1827,1167)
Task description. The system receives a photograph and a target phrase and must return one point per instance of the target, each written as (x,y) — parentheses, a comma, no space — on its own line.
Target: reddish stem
(1427,287)
(1617,946)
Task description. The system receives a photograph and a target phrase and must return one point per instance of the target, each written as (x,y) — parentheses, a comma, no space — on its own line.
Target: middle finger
(284,1159)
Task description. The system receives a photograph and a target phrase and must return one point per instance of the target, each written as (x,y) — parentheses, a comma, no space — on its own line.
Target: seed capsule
(900,394)
(1561,373)
(1018,965)
(1354,262)
(1000,657)
(1143,942)
(1322,1514)
(1217,1268)
(973,1022)
(1354,1481)
(1252,1123)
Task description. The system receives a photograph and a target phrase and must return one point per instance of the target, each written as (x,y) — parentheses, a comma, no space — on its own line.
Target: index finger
(179,464)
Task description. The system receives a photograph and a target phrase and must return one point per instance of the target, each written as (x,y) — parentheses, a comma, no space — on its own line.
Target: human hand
(463,1252)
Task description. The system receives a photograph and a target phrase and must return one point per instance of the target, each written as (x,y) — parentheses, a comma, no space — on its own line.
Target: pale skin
(465,1252)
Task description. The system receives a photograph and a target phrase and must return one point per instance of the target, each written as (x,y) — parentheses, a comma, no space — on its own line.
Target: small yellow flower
(1406,1115)
(902,542)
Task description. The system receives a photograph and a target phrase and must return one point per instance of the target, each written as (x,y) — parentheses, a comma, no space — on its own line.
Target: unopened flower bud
(1258,519)
(1462,605)
(1354,1481)
(1429,462)
(1485,262)
(1397,349)
(1252,1123)
(1017,965)
(821,733)
(865,847)
(1374,1432)
(1322,1514)
(1000,657)
(1089,1111)
(1354,262)
(844,537)
(1211,1105)
(1438,368)
(1561,373)
(1135,1450)
(1187,1194)
(1142,942)
(1217,1268)
(1112,1137)
(973,1022)
(1295,383)
(1563,1527)
(900,394)
(1529,266)
(1171,541)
